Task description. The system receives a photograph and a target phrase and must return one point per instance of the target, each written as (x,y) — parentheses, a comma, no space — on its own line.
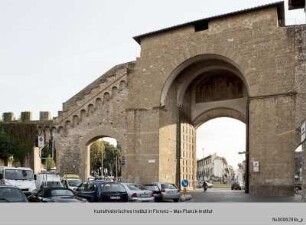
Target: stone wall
(259,47)
(24,130)
(97,111)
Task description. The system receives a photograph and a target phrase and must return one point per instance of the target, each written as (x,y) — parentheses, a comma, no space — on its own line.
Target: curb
(185,197)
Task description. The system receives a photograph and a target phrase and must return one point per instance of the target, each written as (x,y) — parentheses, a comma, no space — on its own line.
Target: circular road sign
(185,183)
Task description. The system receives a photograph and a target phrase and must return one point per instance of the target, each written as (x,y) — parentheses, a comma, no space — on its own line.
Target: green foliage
(50,163)
(46,157)
(109,153)
(11,146)
(96,150)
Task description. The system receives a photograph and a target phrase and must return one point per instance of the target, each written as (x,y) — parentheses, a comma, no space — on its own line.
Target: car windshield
(9,194)
(141,187)
(132,187)
(74,183)
(152,187)
(52,184)
(61,192)
(168,186)
(113,187)
(18,174)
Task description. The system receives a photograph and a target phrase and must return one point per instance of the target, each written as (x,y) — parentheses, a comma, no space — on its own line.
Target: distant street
(227,195)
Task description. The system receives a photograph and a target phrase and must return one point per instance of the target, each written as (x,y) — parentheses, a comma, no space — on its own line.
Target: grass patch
(221,185)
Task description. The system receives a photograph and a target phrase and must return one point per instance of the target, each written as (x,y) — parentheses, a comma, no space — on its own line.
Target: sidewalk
(185,197)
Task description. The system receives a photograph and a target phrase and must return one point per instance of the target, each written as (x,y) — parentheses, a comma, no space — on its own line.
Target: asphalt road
(227,195)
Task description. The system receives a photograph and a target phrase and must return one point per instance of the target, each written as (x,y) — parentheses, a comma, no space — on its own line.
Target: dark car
(236,186)
(11,194)
(102,191)
(155,190)
(55,194)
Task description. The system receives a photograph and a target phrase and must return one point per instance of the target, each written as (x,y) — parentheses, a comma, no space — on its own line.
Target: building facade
(214,168)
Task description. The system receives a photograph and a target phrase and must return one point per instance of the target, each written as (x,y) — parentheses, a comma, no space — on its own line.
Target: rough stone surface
(264,59)
(153,105)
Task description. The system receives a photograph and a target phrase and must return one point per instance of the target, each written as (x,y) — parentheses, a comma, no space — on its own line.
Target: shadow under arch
(198,65)
(218,113)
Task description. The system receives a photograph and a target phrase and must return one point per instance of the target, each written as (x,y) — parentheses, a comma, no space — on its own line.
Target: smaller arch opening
(91,108)
(298,169)
(99,103)
(106,96)
(75,120)
(104,158)
(83,114)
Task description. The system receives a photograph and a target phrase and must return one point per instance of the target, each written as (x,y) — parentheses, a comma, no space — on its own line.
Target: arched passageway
(202,88)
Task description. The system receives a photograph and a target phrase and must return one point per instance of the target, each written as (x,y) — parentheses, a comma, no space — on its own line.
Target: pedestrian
(204,185)
(1,179)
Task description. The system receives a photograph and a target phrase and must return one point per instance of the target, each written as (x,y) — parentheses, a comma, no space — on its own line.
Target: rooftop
(279,5)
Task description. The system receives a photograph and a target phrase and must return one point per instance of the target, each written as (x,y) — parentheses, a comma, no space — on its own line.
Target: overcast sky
(51,49)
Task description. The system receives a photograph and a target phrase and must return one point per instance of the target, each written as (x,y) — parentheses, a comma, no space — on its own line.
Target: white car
(209,185)
(168,191)
(138,193)
(199,184)
(21,177)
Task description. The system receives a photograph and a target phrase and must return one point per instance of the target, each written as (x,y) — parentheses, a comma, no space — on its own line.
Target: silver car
(138,193)
(168,191)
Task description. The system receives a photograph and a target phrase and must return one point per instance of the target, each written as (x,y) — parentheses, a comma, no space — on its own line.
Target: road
(227,195)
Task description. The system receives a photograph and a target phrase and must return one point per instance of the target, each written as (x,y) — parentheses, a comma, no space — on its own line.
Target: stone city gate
(245,65)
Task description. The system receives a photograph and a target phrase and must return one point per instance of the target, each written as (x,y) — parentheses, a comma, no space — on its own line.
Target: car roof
(162,183)
(10,186)
(55,188)
(130,183)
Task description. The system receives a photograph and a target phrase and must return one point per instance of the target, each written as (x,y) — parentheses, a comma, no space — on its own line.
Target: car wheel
(176,200)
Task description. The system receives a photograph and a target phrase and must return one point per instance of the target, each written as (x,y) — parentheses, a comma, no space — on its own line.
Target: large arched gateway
(246,65)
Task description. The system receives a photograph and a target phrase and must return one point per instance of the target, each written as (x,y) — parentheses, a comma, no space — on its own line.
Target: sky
(224,136)
(52,49)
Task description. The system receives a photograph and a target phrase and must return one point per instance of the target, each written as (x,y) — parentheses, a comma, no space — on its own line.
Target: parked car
(199,184)
(55,194)
(236,186)
(168,191)
(209,185)
(71,181)
(155,191)
(138,193)
(11,194)
(21,177)
(48,179)
(102,191)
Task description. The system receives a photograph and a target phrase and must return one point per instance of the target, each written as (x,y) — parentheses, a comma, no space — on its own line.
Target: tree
(46,158)
(102,149)
(12,147)
(50,163)
(112,154)
(96,153)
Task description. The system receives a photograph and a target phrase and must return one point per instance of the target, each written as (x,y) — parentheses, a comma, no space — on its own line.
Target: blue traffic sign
(185,183)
